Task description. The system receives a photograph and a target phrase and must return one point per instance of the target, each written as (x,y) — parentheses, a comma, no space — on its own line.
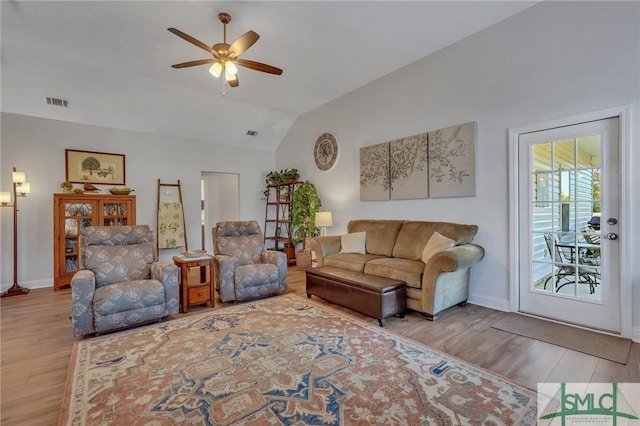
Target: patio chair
(566,273)
(592,254)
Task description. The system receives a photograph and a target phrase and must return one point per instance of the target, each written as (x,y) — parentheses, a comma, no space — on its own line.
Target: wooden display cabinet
(73,212)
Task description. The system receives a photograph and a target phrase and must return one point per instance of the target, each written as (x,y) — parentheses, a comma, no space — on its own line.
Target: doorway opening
(219,201)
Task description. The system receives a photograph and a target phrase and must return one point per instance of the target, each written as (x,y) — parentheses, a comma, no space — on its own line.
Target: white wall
(554,60)
(37,147)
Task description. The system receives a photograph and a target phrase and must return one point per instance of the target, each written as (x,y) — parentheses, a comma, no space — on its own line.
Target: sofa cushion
(436,243)
(412,238)
(350,261)
(246,248)
(114,264)
(381,234)
(407,270)
(256,275)
(127,296)
(353,243)
(414,235)
(462,234)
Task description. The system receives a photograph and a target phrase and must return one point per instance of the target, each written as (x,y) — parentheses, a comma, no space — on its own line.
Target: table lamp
(323,219)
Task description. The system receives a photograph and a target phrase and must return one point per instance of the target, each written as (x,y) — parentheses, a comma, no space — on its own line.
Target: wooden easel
(163,198)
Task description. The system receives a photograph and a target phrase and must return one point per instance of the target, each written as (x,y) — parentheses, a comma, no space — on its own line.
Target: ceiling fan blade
(190,39)
(243,42)
(234,82)
(258,66)
(194,63)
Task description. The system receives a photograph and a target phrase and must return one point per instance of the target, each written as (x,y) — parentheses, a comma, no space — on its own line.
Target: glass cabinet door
(76,217)
(115,214)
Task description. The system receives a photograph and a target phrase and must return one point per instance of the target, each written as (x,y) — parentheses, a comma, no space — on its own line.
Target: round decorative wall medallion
(325,151)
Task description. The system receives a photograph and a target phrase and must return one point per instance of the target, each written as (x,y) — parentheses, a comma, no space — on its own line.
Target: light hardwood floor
(36,344)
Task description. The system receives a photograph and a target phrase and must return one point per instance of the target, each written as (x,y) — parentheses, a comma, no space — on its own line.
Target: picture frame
(100,168)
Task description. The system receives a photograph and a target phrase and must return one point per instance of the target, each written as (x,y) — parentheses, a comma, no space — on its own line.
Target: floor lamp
(20,189)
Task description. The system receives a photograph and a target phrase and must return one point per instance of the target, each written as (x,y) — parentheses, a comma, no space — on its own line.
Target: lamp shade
(323,219)
(24,188)
(230,68)
(18,177)
(228,76)
(5,197)
(216,69)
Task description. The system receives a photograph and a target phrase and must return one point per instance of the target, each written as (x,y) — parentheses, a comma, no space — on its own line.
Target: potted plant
(66,186)
(305,204)
(277,178)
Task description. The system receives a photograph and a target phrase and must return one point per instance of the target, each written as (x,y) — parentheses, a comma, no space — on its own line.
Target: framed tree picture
(94,167)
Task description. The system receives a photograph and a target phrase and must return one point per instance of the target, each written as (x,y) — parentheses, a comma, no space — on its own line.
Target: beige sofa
(394,249)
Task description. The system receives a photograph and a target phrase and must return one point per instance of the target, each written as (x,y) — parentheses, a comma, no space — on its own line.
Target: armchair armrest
(279,259)
(167,274)
(324,246)
(274,257)
(225,272)
(83,287)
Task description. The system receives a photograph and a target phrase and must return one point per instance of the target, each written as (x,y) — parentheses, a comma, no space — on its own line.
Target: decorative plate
(325,151)
(120,191)
(193,253)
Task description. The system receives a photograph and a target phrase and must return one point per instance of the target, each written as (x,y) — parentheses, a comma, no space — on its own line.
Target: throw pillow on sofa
(436,243)
(354,242)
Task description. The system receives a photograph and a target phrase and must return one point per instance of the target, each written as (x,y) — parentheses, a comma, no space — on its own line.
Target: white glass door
(569,197)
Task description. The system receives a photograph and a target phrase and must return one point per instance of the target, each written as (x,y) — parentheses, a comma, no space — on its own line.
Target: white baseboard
(30,284)
(635,334)
(490,302)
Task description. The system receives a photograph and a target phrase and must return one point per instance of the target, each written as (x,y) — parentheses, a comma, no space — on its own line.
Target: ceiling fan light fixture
(225,56)
(228,76)
(216,69)
(230,68)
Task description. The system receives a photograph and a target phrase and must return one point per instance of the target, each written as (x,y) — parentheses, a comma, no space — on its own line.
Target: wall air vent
(58,102)
(252,133)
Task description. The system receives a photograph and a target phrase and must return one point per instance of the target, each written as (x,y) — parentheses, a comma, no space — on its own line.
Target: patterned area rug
(280,361)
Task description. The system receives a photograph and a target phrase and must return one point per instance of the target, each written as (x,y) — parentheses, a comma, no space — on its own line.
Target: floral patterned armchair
(121,283)
(245,270)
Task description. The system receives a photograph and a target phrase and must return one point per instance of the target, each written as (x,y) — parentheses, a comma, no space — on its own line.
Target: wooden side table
(196,281)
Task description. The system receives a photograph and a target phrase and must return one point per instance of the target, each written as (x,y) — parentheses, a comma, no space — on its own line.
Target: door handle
(612,236)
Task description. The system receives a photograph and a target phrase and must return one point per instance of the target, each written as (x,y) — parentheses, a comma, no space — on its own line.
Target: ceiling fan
(225,56)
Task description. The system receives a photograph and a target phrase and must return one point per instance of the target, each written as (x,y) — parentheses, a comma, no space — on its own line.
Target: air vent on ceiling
(58,102)
(252,133)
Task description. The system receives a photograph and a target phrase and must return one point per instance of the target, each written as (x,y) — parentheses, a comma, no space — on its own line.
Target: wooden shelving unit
(277,226)
(73,212)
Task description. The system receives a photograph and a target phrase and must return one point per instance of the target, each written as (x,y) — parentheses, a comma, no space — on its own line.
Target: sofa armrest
(167,274)
(456,261)
(324,246)
(83,287)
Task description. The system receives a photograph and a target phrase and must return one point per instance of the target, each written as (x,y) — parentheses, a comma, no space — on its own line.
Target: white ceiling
(112,59)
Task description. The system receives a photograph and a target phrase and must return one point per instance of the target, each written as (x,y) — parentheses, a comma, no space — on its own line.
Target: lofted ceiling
(112,59)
